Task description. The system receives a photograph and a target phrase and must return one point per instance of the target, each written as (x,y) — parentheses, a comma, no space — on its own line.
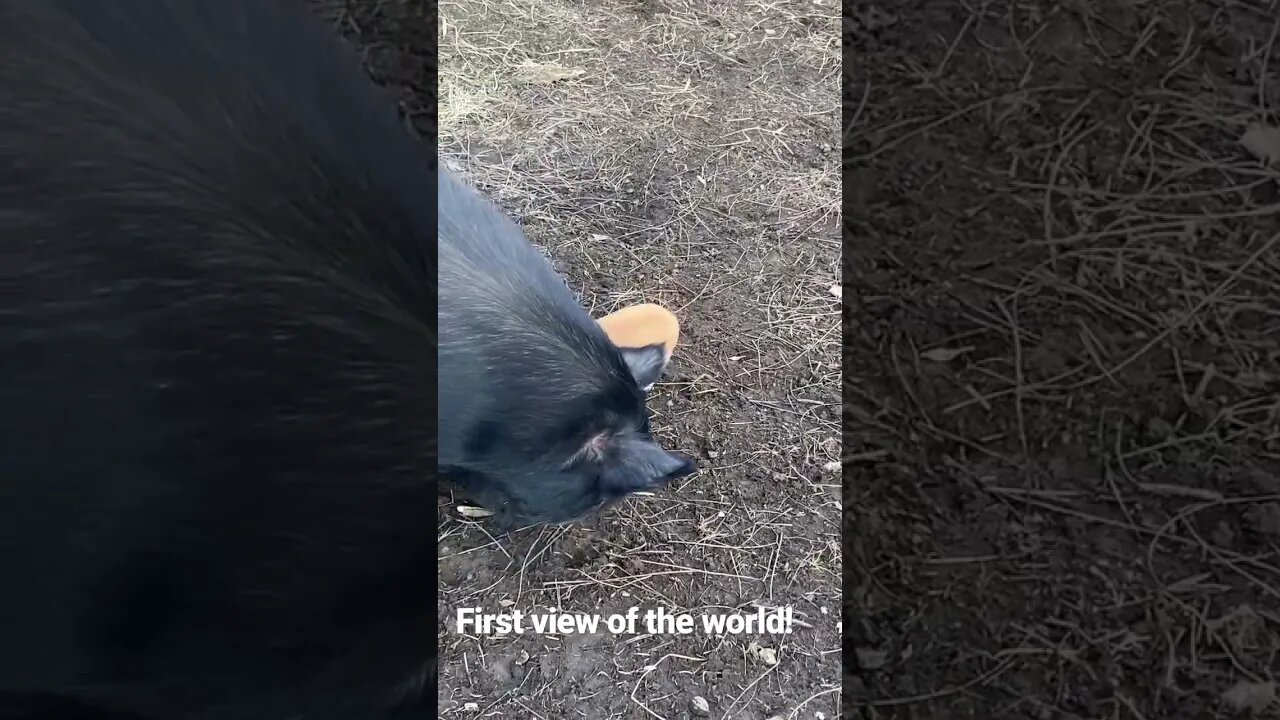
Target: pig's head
(542,417)
(567,433)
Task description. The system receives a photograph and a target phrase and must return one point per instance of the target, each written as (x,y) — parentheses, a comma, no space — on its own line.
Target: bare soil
(682,153)
(1064,357)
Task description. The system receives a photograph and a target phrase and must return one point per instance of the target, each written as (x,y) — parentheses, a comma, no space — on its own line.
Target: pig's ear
(646,364)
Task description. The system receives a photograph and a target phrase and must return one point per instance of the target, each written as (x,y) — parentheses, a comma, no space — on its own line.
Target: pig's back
(513,338)
(217,278)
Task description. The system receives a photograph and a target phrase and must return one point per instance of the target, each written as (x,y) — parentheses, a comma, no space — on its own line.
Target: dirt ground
(1064,328)
(685,154)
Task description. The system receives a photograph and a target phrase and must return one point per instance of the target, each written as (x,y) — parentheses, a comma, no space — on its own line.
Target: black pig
(217,340)
(541,417)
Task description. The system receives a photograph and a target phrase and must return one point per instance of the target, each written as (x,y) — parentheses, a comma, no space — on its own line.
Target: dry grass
(1082,378)
(680,153)
(602,104)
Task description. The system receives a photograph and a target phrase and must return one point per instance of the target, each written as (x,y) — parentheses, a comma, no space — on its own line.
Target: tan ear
(640,326)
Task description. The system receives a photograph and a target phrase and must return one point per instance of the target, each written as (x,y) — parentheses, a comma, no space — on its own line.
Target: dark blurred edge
(397,40)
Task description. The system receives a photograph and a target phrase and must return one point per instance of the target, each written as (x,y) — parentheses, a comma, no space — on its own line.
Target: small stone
(1223,535)
(1255,696)
(1263,142)
(1265,518)
(700,705)
(471,707)
(869,659)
